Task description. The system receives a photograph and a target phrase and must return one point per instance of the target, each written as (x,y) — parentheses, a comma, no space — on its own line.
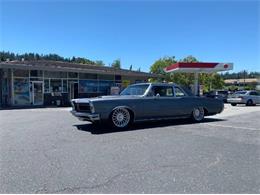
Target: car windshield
(135,90)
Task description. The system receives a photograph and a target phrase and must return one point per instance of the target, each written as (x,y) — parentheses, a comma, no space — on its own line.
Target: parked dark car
(218,94)
(146,101)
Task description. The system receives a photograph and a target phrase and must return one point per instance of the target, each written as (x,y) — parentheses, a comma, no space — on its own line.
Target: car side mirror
(157,95)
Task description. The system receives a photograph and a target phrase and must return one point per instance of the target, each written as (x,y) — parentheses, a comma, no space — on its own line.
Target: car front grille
(81,107)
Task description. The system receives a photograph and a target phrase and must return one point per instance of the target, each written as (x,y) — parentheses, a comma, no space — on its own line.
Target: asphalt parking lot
(47,150)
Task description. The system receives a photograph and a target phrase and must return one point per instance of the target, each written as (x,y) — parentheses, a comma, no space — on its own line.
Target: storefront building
(38,83)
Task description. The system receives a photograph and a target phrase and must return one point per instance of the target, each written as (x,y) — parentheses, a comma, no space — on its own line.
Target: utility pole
(244,78)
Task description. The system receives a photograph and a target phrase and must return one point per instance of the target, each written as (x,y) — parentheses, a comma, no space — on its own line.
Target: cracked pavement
(47,150)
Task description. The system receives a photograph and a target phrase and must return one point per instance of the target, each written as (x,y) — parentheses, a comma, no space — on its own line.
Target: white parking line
(234,127)
(44,109)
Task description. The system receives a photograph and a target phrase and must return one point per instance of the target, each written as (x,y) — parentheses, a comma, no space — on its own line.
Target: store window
(21,91)
(64,85)
(106,77)
(118,78)
(49,74)
(88,86)
(35,73)
(87,76)
(46,86)
(36,78)
(104,86)
(20,73)
(73,75)
(55,85)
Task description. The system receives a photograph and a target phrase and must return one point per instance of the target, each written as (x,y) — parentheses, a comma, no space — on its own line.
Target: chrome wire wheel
(121,117)
(198,114)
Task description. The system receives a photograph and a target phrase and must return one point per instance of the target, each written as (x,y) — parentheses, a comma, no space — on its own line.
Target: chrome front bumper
(235,100)
(85,116)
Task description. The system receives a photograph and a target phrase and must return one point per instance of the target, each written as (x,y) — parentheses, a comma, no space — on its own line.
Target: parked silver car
(248,98)
(146,101)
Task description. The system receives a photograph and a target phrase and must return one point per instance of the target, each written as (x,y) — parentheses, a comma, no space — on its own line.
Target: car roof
(157,84)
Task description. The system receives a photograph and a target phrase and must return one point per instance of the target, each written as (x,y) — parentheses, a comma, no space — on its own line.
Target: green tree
(189,58)
(116,64)
(99,63)
(181,78)
(131,67)
(158,66)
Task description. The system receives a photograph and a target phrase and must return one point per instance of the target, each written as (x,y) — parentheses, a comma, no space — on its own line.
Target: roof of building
(72,67)
(247,80)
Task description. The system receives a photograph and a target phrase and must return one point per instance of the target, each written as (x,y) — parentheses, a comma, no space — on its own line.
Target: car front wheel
(233,104)
(198,114)
(121,118)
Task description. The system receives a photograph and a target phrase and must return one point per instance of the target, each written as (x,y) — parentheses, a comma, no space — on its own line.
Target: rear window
(240,92)
(253,93)
(222,92)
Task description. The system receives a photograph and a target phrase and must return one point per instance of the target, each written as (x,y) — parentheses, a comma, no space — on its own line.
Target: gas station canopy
(198,67)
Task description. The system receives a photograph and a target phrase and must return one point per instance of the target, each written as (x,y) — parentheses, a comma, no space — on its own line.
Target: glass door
(73,90)
(37,90)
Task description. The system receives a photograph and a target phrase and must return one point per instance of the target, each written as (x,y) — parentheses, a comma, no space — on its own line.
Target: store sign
(125,83)
(114,90)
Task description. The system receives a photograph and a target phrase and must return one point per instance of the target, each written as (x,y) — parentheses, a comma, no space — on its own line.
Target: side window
(179,92)
(163,91)
(252,93)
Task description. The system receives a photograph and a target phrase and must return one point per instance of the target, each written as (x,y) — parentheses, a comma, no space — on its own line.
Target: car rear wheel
(249,103)
(198,114)
(121,118)
(233,104)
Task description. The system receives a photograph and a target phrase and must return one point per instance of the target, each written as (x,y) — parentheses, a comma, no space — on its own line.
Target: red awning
(198,67)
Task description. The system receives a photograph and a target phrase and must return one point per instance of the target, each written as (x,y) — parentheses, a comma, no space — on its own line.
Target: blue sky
(137,32)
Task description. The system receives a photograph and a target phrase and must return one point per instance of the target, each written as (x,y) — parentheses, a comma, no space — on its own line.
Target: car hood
(104,98)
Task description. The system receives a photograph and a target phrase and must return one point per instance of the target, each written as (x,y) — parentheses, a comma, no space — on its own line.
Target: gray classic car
(145,101)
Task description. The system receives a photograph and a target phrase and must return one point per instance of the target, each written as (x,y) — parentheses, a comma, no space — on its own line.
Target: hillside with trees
(240,75)
(54,57)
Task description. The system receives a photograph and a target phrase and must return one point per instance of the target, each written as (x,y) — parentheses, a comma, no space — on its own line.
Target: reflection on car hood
(108,97)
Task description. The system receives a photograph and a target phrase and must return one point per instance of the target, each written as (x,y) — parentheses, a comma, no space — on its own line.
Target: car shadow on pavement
(102,129)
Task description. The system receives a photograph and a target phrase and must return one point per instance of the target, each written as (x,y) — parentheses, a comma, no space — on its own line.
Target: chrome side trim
(162,118)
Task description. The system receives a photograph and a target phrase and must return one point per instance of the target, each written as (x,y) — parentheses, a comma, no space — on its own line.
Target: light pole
(244,78)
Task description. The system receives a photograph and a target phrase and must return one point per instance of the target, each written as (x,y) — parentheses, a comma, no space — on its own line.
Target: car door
(255,97)
(182,102)
(159,103)
(167,101)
